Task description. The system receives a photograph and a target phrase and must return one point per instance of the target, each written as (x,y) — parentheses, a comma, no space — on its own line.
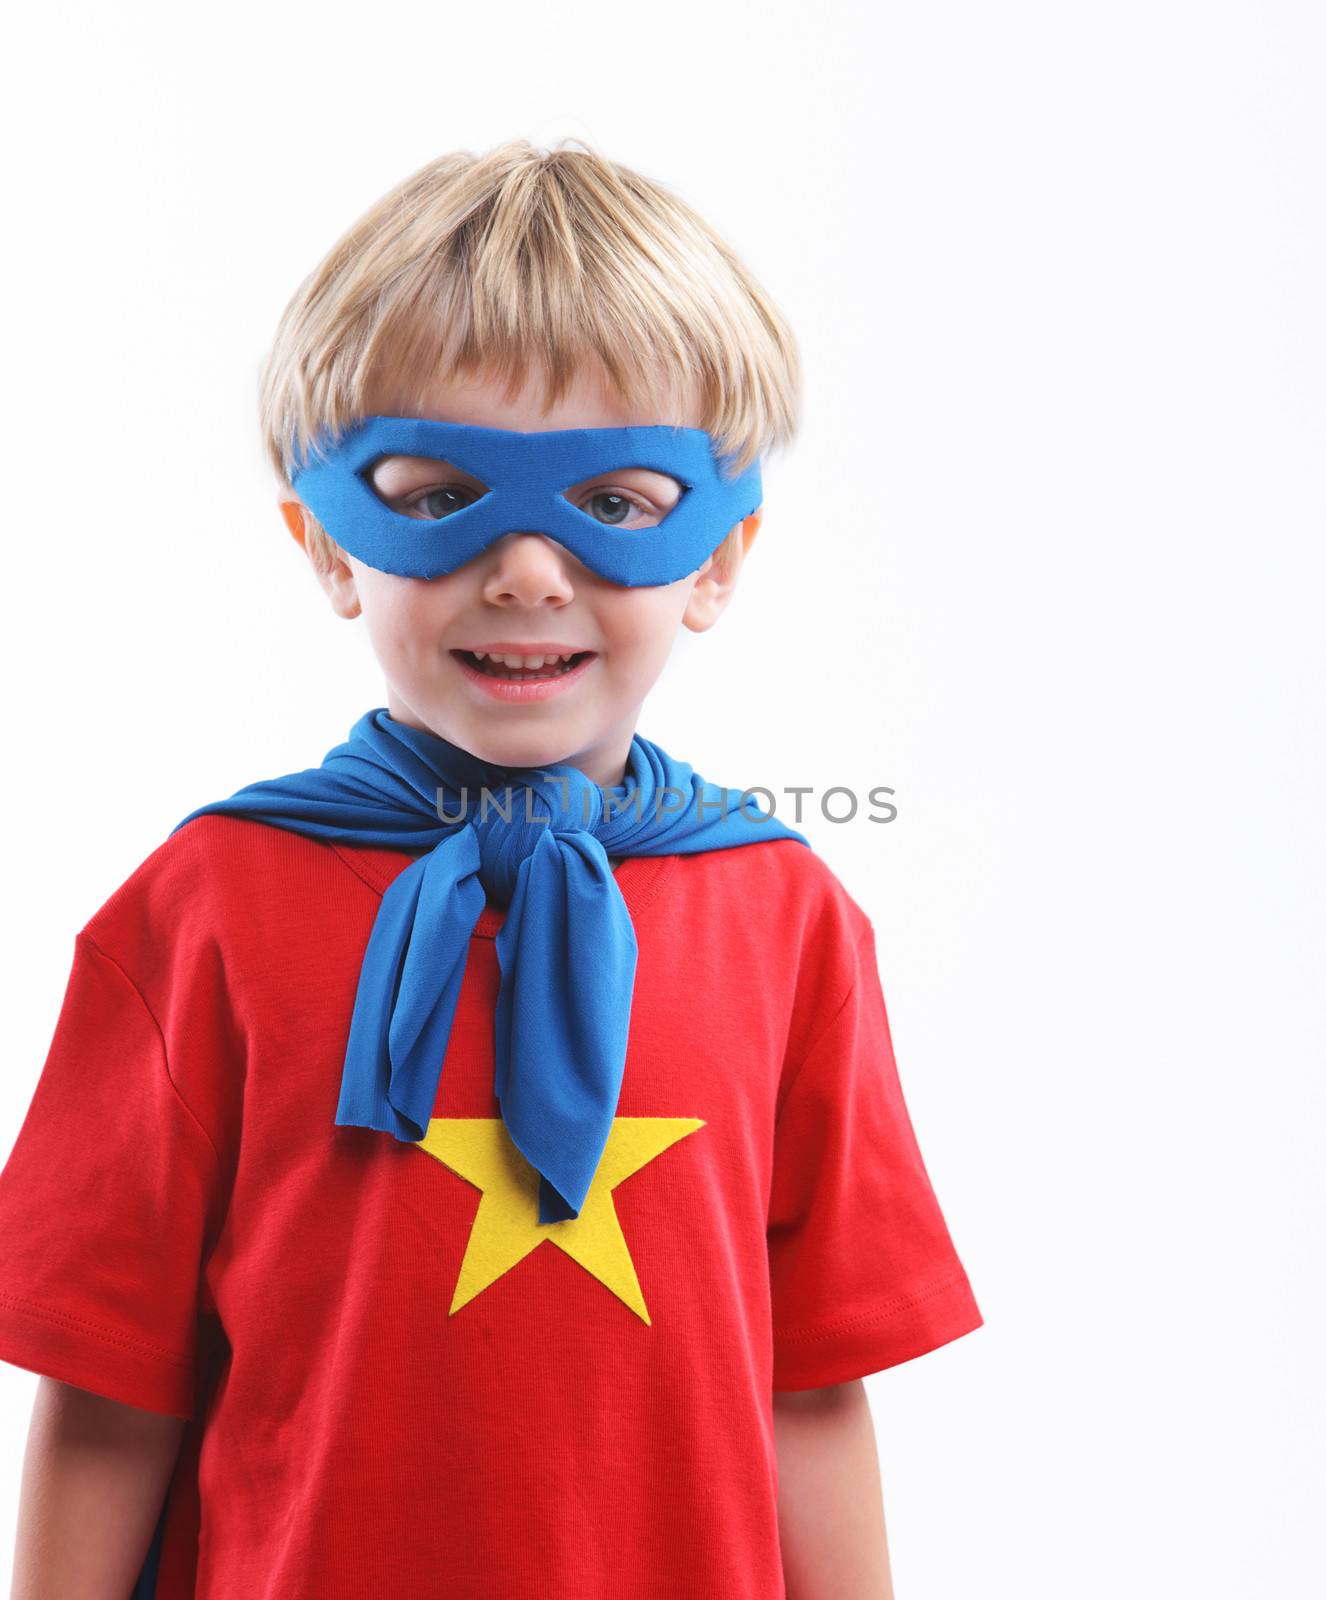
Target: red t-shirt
(397,1381)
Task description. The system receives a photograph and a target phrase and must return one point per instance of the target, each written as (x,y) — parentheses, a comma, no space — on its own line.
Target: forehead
(528,404)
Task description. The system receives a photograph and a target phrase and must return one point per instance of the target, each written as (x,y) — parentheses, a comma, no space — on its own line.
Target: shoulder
(776,921)
(190,871)
(214,882)
(779,890)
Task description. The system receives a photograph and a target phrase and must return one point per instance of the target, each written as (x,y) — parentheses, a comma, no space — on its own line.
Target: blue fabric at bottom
(146,1586)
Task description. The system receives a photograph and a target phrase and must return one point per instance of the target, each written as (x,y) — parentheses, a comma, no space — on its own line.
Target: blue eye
(434,504)
(608,507)
(627,506)
(419,486)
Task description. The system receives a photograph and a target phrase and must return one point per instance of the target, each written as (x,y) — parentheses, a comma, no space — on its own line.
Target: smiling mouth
(522,669)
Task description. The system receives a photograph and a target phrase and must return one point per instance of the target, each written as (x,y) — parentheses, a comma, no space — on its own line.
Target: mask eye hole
(423,487)
(629,497)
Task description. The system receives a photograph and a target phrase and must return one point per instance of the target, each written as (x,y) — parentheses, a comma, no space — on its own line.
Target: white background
(1047,558)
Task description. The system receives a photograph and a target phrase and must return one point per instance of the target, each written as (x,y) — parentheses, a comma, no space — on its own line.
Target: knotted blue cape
(538,842)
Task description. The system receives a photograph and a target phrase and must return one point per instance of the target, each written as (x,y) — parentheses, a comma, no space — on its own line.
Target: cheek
(644,624)
(402,614)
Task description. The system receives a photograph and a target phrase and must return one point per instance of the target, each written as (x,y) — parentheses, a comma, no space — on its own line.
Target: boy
(577,1312)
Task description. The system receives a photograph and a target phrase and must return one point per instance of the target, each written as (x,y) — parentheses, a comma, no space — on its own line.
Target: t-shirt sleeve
(863,1273)
(106,1203)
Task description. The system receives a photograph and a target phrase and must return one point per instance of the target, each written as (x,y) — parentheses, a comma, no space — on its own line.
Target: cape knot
(511,818)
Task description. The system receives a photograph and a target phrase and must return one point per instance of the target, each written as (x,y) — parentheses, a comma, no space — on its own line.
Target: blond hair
(525,263)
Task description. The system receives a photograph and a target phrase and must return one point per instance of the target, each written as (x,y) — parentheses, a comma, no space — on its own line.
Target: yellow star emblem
(506,1225)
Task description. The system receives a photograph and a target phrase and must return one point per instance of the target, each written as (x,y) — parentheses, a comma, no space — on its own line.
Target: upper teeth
(527,662)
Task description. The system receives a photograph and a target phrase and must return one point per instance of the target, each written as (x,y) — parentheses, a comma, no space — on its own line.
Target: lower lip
(525,689)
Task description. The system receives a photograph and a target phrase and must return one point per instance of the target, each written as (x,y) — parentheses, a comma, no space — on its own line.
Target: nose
(528,569)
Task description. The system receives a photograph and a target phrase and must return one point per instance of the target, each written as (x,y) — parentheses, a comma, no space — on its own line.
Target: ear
(293,511)
(325,556)
(714,586)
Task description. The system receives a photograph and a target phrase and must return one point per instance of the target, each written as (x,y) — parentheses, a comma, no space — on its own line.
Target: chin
(523,752)
(511,747)
(486,737)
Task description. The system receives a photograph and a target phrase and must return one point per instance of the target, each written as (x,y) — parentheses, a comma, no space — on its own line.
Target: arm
(830,1507)
(95,1474)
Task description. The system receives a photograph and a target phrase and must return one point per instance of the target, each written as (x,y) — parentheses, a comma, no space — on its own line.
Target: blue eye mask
(527,477)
